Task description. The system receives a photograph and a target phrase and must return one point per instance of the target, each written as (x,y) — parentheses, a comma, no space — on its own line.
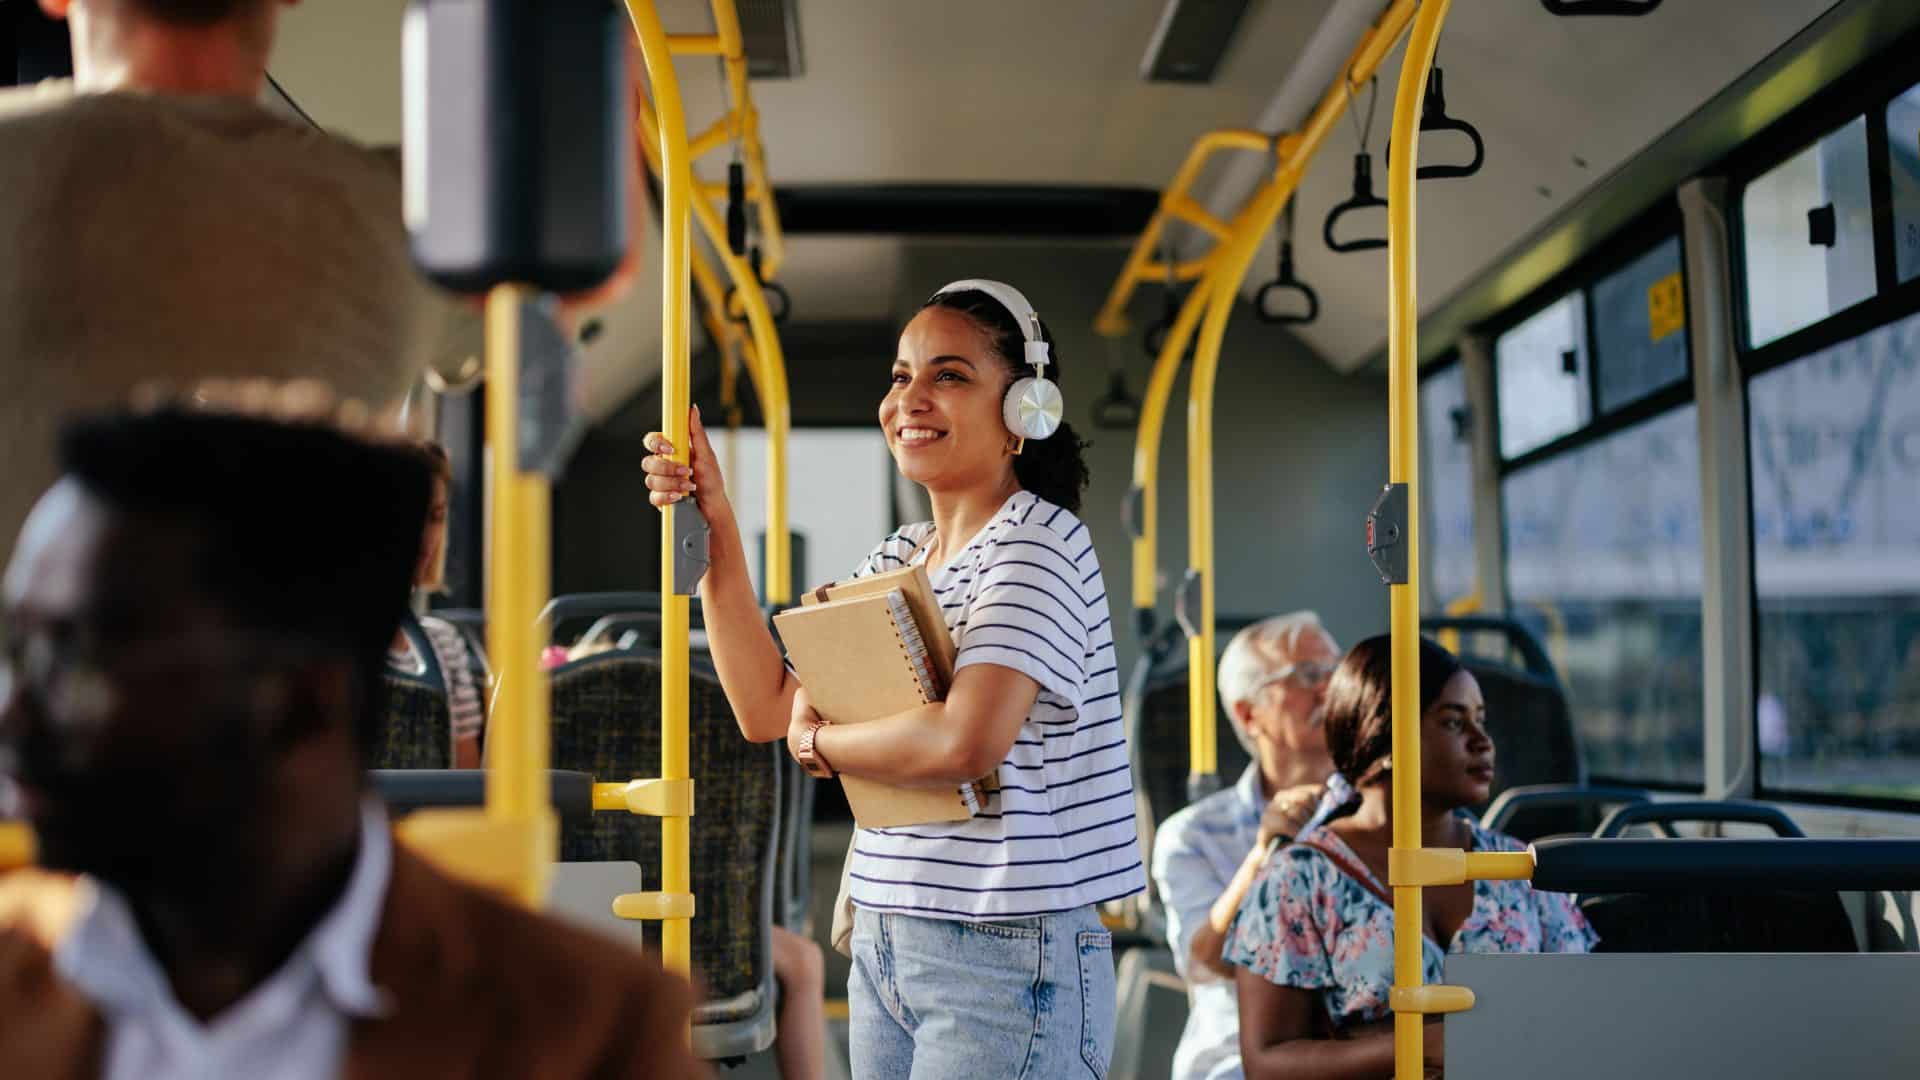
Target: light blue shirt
(294,1026)
(1195,855)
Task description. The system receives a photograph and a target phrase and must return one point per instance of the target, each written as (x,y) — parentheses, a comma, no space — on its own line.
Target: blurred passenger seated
(438,636)
(1272,679)
(198,616)
(1314,938)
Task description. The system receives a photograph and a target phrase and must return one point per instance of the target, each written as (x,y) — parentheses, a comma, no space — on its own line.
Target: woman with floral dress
(1314,938)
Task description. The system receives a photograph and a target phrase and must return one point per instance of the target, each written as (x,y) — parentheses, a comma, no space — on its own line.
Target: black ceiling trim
(965,209)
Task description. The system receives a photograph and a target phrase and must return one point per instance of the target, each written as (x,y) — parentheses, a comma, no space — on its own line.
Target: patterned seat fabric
(606,722)
(417,734)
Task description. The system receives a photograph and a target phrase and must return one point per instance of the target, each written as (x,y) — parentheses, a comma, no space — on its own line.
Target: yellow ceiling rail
(766,365)
(676,195)
(1230,262)
(742,122)
(1177,202)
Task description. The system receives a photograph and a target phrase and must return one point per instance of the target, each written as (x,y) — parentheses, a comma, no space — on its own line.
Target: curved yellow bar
(1403,467)
(744,121)
(1146,446)
(766,366)
(676,187)
(1176,202)
(1223,286)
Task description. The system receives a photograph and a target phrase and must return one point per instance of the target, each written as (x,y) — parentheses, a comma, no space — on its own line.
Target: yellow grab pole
(1222,283)
(766,365)
(1403,467)
(518,573)
(676,186)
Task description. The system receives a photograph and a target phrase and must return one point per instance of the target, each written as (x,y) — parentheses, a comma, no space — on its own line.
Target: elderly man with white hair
(1272,678)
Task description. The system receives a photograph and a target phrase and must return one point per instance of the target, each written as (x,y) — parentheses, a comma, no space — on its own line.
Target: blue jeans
(940,999)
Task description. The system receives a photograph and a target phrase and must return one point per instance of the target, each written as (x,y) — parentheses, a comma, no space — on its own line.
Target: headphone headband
(1016,305)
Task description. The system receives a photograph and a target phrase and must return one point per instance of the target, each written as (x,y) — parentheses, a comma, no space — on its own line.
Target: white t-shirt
(1025,593)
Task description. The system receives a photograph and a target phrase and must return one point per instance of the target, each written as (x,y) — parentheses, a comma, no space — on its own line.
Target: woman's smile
(914,436)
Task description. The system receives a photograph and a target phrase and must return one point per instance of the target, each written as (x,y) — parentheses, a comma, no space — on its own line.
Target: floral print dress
(1307,924)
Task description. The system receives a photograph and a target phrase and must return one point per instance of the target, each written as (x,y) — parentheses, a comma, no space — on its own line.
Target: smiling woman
(954,921)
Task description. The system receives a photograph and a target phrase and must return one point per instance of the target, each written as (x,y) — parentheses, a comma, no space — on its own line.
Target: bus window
(1445,429)
(1903,146)
(1608,573)
(1808,231)
(1835,453)
(1639,327)
(1541,370)
(839,484)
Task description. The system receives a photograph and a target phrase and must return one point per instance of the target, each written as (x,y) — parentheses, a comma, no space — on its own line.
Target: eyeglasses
(1305,675)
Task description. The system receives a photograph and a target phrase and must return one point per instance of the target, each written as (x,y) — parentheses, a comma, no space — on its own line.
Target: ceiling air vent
(770,32)
(1192,37)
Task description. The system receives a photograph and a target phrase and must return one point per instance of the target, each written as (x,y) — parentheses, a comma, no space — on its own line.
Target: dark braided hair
(1052,468)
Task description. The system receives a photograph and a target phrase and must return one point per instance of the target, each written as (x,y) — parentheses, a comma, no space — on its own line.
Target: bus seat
(1771,921)
(419,728)
(418,732)
(606,722)
(1151,1011)
(1156,711)
(793,887)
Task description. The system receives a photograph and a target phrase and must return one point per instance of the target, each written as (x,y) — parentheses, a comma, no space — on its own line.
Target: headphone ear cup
(1033,408)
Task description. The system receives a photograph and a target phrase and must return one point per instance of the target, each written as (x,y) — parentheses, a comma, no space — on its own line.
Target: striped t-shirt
(1025,593)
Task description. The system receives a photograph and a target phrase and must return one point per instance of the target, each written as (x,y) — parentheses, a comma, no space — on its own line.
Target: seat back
(418,733)
(606,722)
(1769,921)
(793,889)
(1156,709)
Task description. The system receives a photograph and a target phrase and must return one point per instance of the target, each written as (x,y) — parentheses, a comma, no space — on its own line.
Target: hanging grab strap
(1118,410)
(1434,118)
(1363,199)
(772,289)
(1284,282)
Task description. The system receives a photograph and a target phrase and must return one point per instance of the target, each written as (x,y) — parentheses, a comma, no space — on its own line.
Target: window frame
(1641,237)
(1447,361)
(1863,93)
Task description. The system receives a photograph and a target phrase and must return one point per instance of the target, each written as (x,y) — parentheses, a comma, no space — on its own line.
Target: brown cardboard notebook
(871,648)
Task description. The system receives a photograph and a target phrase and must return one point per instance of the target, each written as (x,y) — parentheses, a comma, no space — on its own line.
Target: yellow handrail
(676,188)
(1409,860)
(1178,202)
(741,122)
(518,568)
(1146,447)
(1222,283)
(766,363)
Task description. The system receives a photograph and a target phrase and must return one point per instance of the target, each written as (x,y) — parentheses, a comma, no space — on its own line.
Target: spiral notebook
(875,647)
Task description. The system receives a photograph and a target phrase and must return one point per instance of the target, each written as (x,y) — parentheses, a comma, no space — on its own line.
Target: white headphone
(1033,405)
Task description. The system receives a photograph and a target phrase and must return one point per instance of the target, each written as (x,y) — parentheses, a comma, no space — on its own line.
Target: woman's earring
(1017,446)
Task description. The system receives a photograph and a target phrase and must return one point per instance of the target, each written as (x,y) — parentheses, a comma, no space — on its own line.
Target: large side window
(1639,327)
(1447,450)
(1606,569)
(1807,235)
(1903,148)
(1835,449)
(1541,368)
